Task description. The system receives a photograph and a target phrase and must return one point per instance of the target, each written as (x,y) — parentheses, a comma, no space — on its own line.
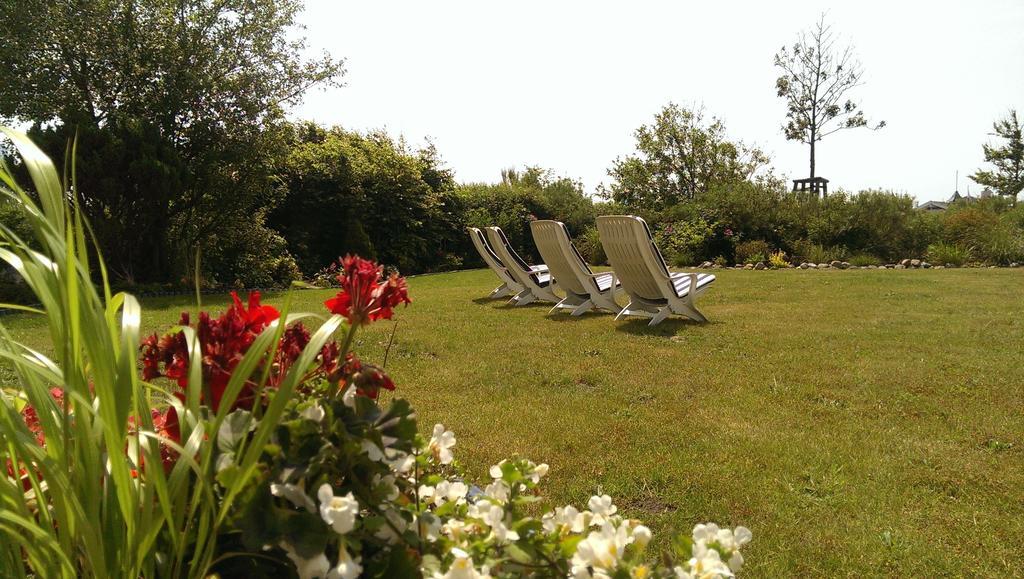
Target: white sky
(563,85)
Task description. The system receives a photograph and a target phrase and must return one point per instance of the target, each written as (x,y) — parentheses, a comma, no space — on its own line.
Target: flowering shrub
(344,486)
(278,456)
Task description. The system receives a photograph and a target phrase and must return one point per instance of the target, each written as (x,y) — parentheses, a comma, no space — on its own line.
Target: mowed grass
(859,422)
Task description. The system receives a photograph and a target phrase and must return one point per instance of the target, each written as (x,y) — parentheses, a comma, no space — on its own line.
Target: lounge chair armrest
(539,268)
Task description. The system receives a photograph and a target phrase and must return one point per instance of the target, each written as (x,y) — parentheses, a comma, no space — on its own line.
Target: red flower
(367,379)
(223,343)
(365,295)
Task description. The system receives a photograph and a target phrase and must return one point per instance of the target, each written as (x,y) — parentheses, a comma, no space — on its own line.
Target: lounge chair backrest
(486,253)
(564,262)
(633,255)
(504,250)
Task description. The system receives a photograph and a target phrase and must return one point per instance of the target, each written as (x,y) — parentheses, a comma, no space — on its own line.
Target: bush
(863,259)
(1002,245)
(968,225)
(943,253)
(752,251)
(778,260)
(817,253)
(589,244)
(684,242)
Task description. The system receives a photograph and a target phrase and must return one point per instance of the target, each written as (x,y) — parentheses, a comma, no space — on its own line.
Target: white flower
(425,492)
(736,562)
(707,563)
(602,508)
(349,397)
(429,526)
(603,549)
(315,568)
(641,535)
(314,413)
(338,512)
(372,450)
(294,494)
(497,490)
(387,532)
(462,568)
(494,517)
(456,529)
(495,470)
(441,443)
(388,482)
(400,462)
(682,573)
(564,520)
(449,491)
(347,567)
(538,471)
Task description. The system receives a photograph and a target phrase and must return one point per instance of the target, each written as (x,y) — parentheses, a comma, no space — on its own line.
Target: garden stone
(716,266)
(925,264)
(1015,264)
(824,266)
(760,265)
(803,265)
(950,265)
(905,262)
(835,263)
(939,267)
(890,265)
(844,265)
(900,266)
(915,263)
(748,266)
(872,267)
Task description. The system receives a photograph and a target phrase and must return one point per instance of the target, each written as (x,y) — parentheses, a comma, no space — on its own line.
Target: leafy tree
(1008,176)
(679,157)
(369,194)
(524,196)
(816,76)
(193,89)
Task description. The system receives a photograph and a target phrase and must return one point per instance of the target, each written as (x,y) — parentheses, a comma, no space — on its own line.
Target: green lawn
(859,422)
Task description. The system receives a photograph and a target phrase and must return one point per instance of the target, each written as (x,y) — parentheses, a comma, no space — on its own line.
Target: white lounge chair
(584,289)
(508,284)
(535,279)
(653,290)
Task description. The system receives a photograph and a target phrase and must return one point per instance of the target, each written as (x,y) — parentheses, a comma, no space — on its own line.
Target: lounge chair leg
(691,312)
(583,308)
(501,291)
(557,306)
(660,316)
(624,311)
(524,297)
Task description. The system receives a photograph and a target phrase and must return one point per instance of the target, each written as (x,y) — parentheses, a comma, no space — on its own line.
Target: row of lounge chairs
(638,270)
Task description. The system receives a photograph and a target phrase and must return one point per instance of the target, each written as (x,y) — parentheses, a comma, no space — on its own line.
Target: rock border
(909,263)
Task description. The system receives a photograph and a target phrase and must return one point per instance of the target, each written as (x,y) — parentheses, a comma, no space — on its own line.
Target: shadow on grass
(485,300)
(563,316)
(666,329)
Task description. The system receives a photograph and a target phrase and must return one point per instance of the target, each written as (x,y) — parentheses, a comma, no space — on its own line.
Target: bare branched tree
(816,75)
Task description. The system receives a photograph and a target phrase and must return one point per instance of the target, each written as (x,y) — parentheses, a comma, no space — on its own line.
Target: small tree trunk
(812,154)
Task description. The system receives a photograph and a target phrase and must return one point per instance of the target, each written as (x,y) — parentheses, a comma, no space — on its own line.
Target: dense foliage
(180,106)
(336,178)
(522,197)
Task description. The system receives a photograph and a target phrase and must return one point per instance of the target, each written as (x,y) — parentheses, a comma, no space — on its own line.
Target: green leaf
(568,546)
(233,430)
